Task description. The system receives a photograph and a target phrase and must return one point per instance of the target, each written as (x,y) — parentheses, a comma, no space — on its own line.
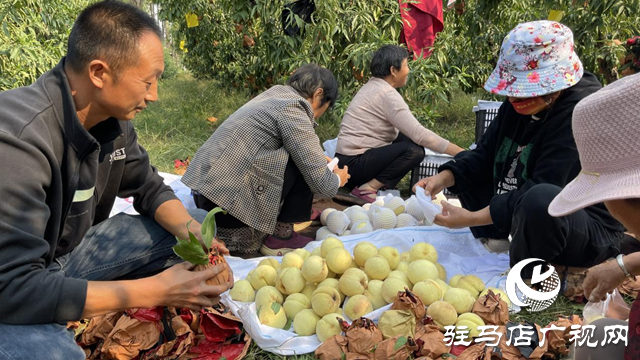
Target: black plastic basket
(429,167)
(484,118)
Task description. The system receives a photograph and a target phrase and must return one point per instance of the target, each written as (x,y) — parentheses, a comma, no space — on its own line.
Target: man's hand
(196,229)
(435,184)
(602,279)
(328,159)
(173,217)
(178,286)
(343,174)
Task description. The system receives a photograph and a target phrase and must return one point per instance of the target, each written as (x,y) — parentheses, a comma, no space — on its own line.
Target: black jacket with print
(518,152)
(58,180)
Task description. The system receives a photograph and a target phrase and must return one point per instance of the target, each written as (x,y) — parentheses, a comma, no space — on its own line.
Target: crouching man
(69,149)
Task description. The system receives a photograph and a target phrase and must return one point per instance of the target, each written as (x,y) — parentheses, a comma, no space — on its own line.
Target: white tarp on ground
(458,252)
(181,190)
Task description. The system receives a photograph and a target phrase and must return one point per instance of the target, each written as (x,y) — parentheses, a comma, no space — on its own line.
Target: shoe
(315,214)
(275,246)
(364,194)
(499,246)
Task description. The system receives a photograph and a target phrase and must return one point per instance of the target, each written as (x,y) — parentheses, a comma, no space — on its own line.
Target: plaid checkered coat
(241,167)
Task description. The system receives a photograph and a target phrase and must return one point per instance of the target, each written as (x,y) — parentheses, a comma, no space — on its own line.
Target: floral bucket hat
(536,59)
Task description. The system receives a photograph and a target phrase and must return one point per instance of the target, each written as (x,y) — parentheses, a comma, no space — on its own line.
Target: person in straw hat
(527,155)
(606,127)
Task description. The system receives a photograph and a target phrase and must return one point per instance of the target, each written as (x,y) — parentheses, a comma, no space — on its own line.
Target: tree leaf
(402,340)
(187,254)
(191,251)
(209,227)
(194,240)
(275,307)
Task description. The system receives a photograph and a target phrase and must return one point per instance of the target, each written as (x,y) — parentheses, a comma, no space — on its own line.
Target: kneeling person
(267,154)
(527,155)
(380,139)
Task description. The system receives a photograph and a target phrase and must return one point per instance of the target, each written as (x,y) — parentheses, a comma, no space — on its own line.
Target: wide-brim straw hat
(536,58)
(606,127)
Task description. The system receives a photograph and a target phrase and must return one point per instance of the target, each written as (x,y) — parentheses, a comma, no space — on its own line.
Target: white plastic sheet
(429,209)
(458,252)
(333,163)
(330,147)
(181,190)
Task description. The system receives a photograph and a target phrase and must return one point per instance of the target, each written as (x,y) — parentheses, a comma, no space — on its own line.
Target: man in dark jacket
(527,155)
(69,149)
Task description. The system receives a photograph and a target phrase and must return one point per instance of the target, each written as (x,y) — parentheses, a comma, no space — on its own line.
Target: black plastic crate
(429,167)
(484,118)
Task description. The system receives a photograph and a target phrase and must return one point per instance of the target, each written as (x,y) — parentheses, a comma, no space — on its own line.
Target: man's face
(137,84)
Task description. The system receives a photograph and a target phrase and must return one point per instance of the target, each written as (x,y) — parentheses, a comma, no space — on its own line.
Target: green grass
(176,126)
(256,353)
(562,306)
(458,121)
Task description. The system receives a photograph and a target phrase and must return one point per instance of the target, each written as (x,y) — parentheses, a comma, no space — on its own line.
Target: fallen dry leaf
(492,309)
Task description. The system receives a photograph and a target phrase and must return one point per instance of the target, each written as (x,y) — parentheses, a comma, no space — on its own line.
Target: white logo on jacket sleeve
(119,154)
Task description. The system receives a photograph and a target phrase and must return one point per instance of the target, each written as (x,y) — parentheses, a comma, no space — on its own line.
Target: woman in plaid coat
(265,162)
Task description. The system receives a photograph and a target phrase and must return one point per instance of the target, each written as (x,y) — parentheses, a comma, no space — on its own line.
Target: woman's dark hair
(108,30)
(309,78)
(386,57)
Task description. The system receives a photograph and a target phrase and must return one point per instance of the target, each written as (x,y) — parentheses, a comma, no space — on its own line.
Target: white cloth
(181,190)
(330,147)
(429,209)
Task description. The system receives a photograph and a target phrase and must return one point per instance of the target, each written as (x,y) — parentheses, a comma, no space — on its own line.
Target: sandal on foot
(364,194)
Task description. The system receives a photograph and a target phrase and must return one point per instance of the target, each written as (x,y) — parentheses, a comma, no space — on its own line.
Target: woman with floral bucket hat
(606,127)
(527,155)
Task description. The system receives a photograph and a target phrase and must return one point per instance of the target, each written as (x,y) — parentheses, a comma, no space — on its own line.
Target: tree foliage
(33,37)
(242,43)
(479,31)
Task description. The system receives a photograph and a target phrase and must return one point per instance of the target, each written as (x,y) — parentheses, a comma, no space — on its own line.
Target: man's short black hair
(309,78)
(108,30)
(386,57)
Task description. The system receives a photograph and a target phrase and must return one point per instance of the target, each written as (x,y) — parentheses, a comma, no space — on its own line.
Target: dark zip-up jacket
(58,180)
(518,152)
